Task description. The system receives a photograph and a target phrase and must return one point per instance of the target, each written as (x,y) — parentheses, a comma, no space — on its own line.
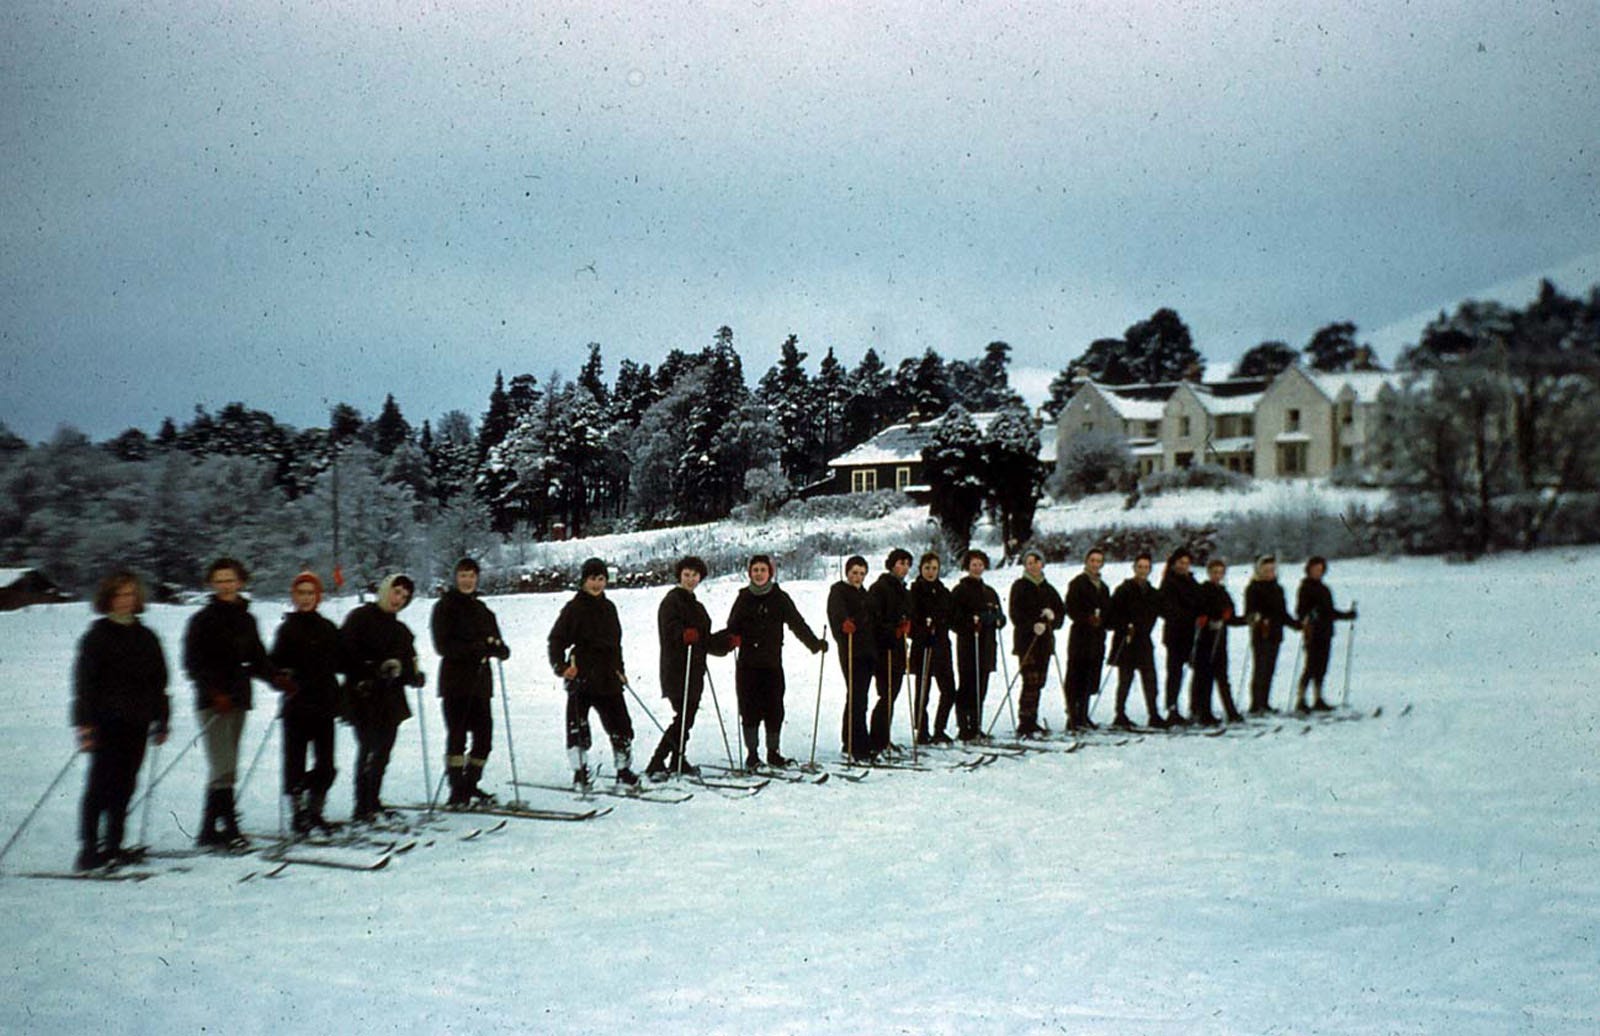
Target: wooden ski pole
(59,777)
(816,715)
(1349,657)
(144,815)
(511,744)
(711,685)
(1010,681)
(850,696)
(422,731)
(683,708)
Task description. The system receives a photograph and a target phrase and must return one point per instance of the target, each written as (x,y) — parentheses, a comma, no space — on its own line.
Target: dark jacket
(222,650)
(1314,606)
(974,606)
(369,637)
(680,610)
(1085,600)
(1029,601)
(465,636)
(930,612)
(1267,610)
(891,605)
(1216,604)
(120,677)
(853,603)
(759,619)
(1135,607)
(307,647)
(589,629)
(1180,606)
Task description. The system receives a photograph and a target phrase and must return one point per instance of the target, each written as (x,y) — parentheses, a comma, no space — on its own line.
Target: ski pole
(422,729)
(511,745)
(642,705)
(1005,671)
(711,685)
(255,760)
(1244,668)
(920,699)
(1066,693)
(911,704)
(150,789)
(816,716)
(1349,656)
(1296,684)
(60,776)
(438,786)
(1005,704)
(850,695)
(144,817)
(683,710)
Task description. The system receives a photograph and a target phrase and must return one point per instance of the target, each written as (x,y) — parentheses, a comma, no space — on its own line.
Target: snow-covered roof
(1148,449)
(1234,444)
(1136,409)
(8,576)
(1219,405)
(1293,437)
(1363,385)
(902,443)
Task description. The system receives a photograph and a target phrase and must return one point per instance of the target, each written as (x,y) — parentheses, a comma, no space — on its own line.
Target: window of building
(1088,426)
(863,480)
(1347,455)
(902,478)
(1183,460)
(1184,426)
(1247,424)
(1291,421)
(1152,429)
(1291,458)
(1347,413)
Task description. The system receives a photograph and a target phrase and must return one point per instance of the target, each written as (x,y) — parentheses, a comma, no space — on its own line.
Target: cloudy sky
(295,203)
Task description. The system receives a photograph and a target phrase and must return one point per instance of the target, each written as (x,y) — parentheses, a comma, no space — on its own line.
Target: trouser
(1033,676)
(222,733)
(760,696)
(1317,651)
(970,694)
(614,720)
(466,715)
(113,773)
(1177,658)
(374,743)
(1147,682)
(1083,680)
(1211,667)
(937,670)
(1264,662)
(853,734)
(890,673)
(305,734)
(682,724)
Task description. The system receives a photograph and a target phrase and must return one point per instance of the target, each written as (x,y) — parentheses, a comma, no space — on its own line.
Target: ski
(340,865)
(116,874)
(798,775)
(657,796)
(479,832)
(531,813)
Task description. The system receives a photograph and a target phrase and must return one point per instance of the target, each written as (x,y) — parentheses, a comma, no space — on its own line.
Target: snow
(1421,873)
(1262,496)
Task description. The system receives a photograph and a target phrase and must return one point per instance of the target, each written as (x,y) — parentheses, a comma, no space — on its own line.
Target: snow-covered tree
(1015,474)
(955,468)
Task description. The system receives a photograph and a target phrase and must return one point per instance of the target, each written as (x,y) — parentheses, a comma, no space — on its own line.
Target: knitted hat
(307,577)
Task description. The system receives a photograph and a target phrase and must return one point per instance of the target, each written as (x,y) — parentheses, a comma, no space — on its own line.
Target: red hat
(308,577)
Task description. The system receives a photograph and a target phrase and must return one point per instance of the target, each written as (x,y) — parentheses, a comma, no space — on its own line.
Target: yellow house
(1134,412)
(1211,424)
(1310,422)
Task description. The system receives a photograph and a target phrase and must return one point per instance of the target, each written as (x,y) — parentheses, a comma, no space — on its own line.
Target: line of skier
(920,632)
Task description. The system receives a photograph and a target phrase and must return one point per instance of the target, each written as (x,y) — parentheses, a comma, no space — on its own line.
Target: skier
(850,618)
(1179,609)
(1268,613)
(684,627)
(1036,613)
(466,636)
(306,650)
(1314,606)
(380,660)
(119,702)
(222,650)
(1135,607)
(1088,605)
(1211,647)
(930,649)
(757,618)
(976,618)
(586,651)
(891,621)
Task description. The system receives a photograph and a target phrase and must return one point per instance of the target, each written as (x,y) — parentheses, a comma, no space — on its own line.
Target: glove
(159,734)
(1048,615)
(1039,628)
(734,641)
(849,628)
(691,635)
(1200,623)
(221,704)
(568,671)
(903,630)
(1352,615)
(821,648)
(86,739)
(1227,613)
(284,681)
(497,649)
(389,669)
(1094,620)
(419,679)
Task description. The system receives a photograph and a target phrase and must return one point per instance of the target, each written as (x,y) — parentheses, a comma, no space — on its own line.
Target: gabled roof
(1364,386)
(1239,396)
(902,443)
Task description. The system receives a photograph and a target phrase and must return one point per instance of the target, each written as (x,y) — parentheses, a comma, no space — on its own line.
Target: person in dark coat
(850,618)
(1211,647)
(891,623)
(684,627)
(976,619)
(1135,607)
(466,637)
(586,651)
(1180,607)
(1314,607)
(1088,605)
(1268,613)
(931,661)
(119,701)
(222,652)
(758,617)
(1036,614)
(380,660)
(306,651)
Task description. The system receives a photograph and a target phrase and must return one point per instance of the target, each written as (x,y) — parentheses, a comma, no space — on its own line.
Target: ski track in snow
(1426,873)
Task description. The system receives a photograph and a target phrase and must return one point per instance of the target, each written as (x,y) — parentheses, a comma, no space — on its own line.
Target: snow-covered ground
(1424,873)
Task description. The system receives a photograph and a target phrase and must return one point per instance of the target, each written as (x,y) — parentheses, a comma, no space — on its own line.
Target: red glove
(221,704)
(284,681)
(903,629)
(691,635)
(849,627)
(1227,613)
(1094,620)
(1200,623)
(734,641)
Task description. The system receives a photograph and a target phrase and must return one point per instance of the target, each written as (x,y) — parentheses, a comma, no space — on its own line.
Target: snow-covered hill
(1428,872)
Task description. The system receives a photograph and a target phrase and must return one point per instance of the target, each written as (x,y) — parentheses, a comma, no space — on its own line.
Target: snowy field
(1430,872)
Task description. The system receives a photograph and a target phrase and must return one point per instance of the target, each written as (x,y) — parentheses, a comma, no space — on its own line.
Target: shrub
(1198,476)
(1096,462)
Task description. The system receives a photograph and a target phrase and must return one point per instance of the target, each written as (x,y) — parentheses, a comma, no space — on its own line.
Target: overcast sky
(296,203)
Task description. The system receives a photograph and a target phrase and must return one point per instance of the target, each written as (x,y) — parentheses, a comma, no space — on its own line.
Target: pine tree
(390,429)
(1015,475)
(871,404)
(955,468)
(1265,360)
(1333,347)
(592,377)
(790,399)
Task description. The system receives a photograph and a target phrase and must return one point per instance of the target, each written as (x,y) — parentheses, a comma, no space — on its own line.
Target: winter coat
(853,603)
(307,647)
(680,610)
(930,622)
(1180,606)
(1314,606)
(891,605)
(758,621)
(1029,601)
(975,606)
(222,650)
(1216,604)
(369,637)
(120,677)
(1085,600)
(1136,605)
(1267,610)
(589,629)
(465,636)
